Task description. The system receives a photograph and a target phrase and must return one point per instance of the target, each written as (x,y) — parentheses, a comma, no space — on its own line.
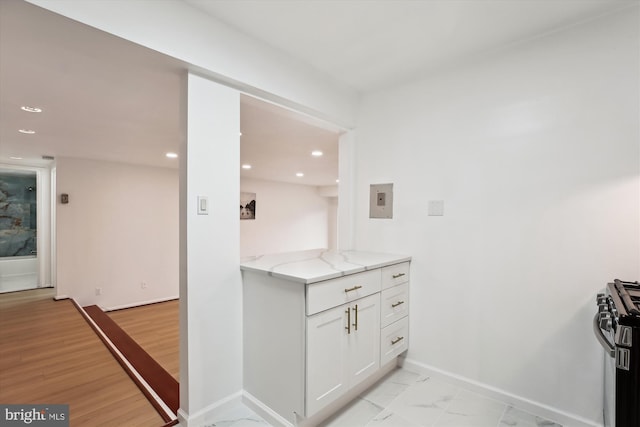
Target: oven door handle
(604,342)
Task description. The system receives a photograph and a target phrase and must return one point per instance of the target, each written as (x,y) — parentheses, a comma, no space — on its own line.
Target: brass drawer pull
(356,324)
(355,288)
(395,276)
(348,327)
(397,340)
(397,304)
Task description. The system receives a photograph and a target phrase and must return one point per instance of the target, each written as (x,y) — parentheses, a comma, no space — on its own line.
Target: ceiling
(278,143)
(106,98)
(102,97)
(374,44)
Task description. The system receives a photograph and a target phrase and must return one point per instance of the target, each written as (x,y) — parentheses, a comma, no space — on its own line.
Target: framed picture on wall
(247,205)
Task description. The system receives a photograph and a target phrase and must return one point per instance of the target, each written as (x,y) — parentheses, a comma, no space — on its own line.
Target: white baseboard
(527,405)
(201,417)
(277,420)
(60,297)
(139,304)
(269,415)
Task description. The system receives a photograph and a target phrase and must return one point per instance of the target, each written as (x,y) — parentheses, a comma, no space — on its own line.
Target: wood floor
(49,354)
(155,328)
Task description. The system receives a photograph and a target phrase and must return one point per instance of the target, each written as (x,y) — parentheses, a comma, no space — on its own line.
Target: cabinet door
(326,358)
(364,339)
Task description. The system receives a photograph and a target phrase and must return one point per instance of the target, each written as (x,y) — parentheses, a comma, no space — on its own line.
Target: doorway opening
(18,229)
(288,180)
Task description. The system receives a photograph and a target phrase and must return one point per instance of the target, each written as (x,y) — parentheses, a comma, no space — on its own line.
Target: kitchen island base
(319,328)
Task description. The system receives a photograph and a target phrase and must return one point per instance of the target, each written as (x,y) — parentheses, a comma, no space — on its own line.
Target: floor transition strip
(161,382)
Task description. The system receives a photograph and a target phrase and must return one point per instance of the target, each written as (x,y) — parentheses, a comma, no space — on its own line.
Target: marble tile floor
(407,399)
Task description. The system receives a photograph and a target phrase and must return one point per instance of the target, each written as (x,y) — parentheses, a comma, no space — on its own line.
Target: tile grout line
(444,410)
(504,412)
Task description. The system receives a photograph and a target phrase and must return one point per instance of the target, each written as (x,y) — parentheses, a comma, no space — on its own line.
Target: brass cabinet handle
(355,288)
(397,340)
(397,304)
(348,327)
(356,323)
(395,276)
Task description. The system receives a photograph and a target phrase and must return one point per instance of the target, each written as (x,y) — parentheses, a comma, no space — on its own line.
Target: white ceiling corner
(107,98)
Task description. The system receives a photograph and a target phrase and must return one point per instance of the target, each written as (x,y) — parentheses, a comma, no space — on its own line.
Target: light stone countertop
(315,265)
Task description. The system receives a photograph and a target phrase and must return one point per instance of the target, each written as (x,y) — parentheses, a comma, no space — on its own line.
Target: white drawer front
(394,304)
(394,339)
(395,274)
(332,293)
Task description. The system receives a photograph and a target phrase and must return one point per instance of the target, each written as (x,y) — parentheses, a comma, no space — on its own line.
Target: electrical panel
(381,201)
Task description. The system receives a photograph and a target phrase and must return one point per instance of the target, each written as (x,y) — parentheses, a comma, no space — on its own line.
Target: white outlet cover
(436,207)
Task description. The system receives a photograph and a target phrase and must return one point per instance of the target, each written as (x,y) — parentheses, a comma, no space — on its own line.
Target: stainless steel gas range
(617,327)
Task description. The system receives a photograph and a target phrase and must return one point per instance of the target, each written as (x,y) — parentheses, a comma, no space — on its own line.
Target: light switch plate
(203,205)
(381,201)
(436,207)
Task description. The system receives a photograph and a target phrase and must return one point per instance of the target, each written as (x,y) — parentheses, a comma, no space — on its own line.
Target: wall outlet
(98,291)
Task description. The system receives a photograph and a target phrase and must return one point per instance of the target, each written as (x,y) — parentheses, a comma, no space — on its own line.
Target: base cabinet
(343,349)
(307,345)
(327,347)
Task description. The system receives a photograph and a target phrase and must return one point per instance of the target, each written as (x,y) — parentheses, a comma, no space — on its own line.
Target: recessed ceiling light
(172,155)
(299,174)
(316,153)
(31,109)
(246,166)
(15,158)
(27,131)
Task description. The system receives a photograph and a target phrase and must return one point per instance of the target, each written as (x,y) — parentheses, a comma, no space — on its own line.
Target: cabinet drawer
(394,304)
(331,293)
(394,339)
(395,274)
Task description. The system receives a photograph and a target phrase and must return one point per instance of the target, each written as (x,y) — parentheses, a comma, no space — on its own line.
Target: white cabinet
(332,293)
(327,365)
(364,340)
(394,340)
(308,343)
(343,349)
(394,336)
(395,304)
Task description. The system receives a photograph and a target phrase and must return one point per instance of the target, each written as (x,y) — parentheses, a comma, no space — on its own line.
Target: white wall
(289,217)
(210,280)
(119,229)
(535,152)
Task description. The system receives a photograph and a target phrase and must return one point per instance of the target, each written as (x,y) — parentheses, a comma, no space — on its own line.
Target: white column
(210,280)
(346,190)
